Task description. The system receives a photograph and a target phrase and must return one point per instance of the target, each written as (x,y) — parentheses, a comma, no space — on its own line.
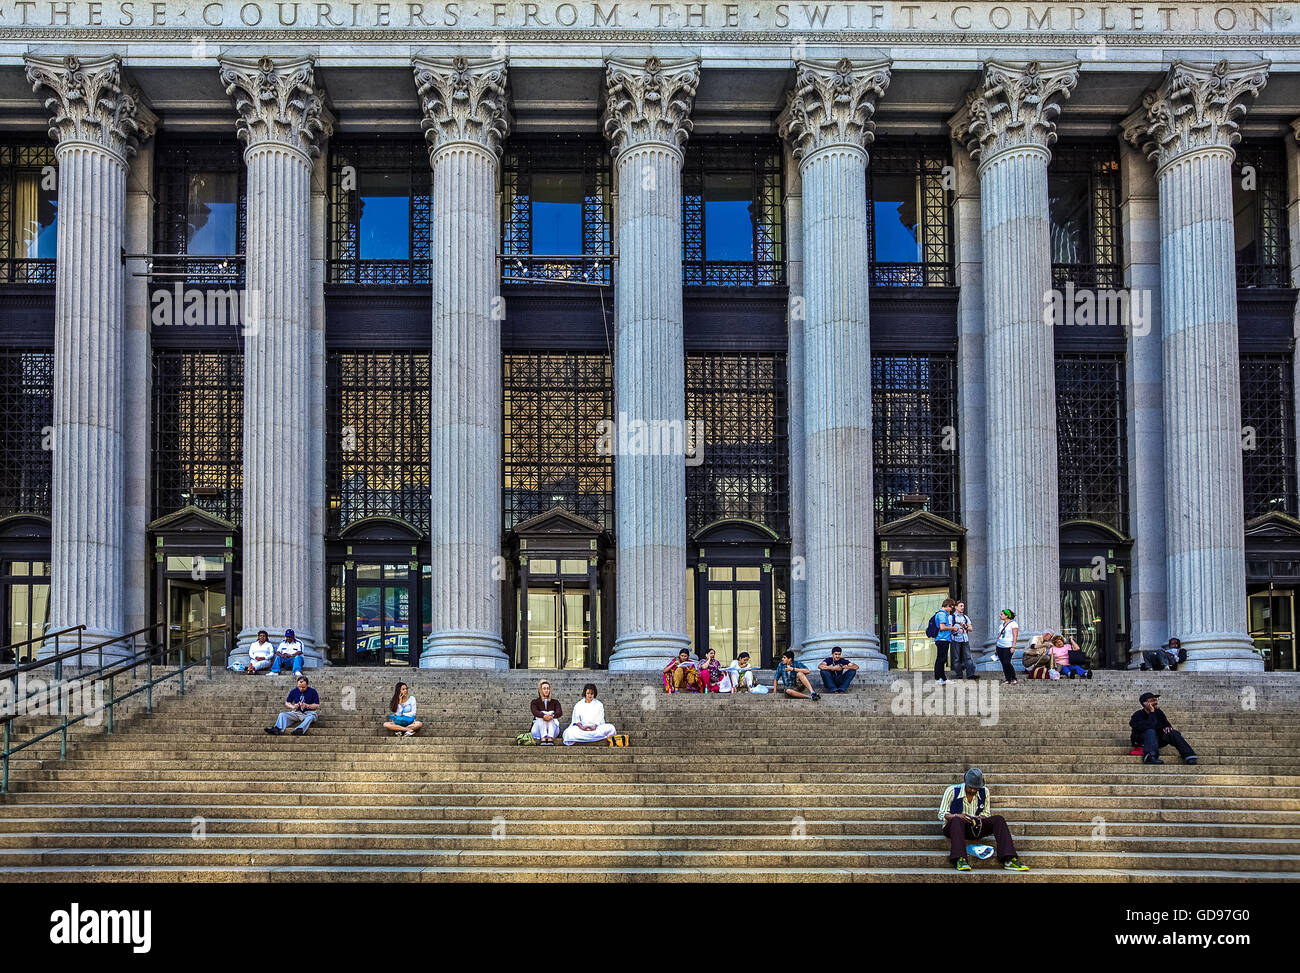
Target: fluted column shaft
(86,554)
(647,121)
(1188,127)
(838,512)
(650,387)
(97,123)
(466,419)
(1205,522)
(1024,563)
(281,120)
(465,121)
(828,124)
(278,458)
(1008,125)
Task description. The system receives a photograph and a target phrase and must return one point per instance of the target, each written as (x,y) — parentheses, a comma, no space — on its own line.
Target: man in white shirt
(290,649)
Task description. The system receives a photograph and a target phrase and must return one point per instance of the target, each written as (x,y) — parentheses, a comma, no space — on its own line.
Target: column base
(313,656)
(118,652)
(647,651)
(464,650)
(860,647)
(1219,652)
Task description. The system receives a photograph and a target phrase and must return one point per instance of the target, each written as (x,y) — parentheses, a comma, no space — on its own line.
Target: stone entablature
(891,21)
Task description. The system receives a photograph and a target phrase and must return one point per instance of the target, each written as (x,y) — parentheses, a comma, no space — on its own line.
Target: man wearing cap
(964,814)
(1169,654)
(1151,731)
(291,649)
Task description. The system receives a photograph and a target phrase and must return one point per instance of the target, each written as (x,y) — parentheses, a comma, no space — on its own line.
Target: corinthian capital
(88,102)
(833,103)
(463,101)
(1016,106)
(649,101)
(277,101)
(1197,106)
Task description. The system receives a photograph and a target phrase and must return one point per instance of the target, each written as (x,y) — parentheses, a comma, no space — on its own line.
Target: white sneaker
(941,682)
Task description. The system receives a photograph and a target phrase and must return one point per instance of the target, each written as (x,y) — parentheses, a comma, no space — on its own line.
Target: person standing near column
(1005,642)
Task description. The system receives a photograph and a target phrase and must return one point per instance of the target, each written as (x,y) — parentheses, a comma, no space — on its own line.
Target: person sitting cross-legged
(588,724)
(681,675)
(401,708)
(793,680)
(260,654)
(964,813)
(1151,731)
(837,671)
(301,706)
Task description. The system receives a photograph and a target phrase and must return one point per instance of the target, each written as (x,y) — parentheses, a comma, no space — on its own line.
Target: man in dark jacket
(1151,731)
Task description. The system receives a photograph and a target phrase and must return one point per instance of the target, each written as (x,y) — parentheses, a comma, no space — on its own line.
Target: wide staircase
(737,788)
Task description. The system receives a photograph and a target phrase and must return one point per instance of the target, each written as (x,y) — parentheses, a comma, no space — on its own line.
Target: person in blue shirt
(791,679)
(301,706)
(943,641)
(837,671)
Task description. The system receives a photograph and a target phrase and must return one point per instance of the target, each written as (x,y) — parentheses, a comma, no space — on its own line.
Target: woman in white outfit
(588,724)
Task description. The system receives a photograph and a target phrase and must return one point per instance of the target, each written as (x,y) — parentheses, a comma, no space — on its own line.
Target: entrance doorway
(381,623)
(560,621)
(193,607)
(26,605)
(737,606)
(1083,618)
(1272,627)
(909,613)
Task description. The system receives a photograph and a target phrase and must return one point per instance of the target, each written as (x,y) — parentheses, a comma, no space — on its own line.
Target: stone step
(206,854)
(48,828)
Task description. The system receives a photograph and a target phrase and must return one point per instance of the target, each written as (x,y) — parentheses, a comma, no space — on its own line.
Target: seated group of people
(685,675)
(1053,656)
(263,655)
(587,724)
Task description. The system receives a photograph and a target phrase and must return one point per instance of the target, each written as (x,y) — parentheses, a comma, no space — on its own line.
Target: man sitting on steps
(301,704)
(837,671)
(789,678)
(964,814)
(1151,731)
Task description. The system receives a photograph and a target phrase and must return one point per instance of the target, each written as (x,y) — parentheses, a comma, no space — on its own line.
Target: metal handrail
(79,650)
(102,674)
(42,638)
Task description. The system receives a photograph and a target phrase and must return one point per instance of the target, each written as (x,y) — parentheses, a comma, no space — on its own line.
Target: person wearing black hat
(964,814)
(1151,731)
(1169,654)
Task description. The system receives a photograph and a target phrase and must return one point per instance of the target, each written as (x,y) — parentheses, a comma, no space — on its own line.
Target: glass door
(1272,627)
(1083,618)
(737,622)
(909,614)
(26,606)
(192,608)
(559,627)
(380,612)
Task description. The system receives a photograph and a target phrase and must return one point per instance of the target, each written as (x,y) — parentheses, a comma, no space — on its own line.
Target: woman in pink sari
(715,678)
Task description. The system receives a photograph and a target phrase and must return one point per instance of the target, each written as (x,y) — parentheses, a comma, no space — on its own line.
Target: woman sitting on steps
(402,707)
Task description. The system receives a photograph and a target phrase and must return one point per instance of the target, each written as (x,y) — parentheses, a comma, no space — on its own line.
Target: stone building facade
(500,334)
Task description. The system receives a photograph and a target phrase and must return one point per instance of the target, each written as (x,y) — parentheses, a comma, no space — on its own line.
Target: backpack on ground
(526,740)
(619,740)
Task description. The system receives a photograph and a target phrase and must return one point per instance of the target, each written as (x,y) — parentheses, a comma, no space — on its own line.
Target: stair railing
(15,703)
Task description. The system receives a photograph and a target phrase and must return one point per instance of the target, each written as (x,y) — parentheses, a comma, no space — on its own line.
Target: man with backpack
(940,629)
(963,663)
